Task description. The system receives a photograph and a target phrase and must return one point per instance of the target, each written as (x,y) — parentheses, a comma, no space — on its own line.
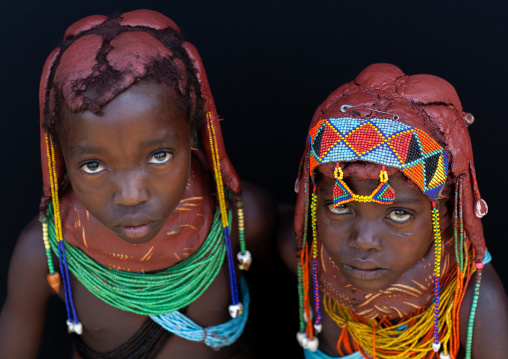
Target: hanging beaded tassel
(307,339)
(437,274)
(53,278)
(470,324)
(236,308)
(73,324)
(301,336)
(244,257)
(317,291)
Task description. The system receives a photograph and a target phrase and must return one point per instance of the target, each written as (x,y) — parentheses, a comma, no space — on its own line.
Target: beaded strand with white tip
(235,310)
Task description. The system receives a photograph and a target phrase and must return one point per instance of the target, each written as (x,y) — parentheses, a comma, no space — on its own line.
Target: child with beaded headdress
(391,258)
(142,215)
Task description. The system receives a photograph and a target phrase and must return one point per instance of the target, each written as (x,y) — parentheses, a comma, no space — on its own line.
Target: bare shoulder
(28,263)
(261,218)
(22,316)
(490,328)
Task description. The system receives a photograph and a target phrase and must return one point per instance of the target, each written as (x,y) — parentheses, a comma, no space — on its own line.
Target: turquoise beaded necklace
(149,294)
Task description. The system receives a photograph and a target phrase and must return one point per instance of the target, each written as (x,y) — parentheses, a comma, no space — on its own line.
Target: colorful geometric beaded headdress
(383,141)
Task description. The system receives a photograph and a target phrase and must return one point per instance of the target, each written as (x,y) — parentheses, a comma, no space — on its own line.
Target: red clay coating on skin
(148,18)
(84,24)
(76,65)
(131,52)
(135,49)
(230,177)
(175,241)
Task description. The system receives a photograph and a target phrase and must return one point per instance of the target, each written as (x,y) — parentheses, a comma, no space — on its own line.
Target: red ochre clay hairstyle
(426,109)
(109,55)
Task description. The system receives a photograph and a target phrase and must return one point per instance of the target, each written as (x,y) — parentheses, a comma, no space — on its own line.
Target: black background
(270,64)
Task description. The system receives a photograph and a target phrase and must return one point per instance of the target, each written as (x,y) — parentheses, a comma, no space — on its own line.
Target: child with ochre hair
(391,258)
(142,220)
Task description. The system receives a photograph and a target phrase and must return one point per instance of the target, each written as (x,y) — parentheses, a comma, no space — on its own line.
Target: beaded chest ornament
(389,143)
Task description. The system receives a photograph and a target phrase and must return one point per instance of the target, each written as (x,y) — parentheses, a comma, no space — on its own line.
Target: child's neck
(410,292)
(181,236)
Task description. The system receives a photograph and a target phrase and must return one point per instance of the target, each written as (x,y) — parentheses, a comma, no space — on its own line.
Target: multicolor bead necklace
(144,293)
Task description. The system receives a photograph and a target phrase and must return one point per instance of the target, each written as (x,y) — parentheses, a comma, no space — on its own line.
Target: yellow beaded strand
(216,168)
(53,277)
(50,152)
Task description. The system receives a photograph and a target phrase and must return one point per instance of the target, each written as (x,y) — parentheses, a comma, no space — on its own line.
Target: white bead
(436,346)
(78,328)
(313,344)
(70,326)
(301,338)
(235,310)
(481,208)
(74,327)
(444,356)
(244,259)
(318,327)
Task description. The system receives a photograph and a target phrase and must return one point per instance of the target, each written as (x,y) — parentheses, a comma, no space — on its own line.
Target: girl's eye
(92,168)
(399,216)
(340,209)
(160,158)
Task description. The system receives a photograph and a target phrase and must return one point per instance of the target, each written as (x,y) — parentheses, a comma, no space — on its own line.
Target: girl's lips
(136,232)
(365,274)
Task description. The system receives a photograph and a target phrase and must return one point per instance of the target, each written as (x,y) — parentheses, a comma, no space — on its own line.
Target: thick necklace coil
(147,293)
(409,338)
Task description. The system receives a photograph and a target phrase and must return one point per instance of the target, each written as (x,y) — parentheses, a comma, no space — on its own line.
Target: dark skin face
(130,163)
(374,244)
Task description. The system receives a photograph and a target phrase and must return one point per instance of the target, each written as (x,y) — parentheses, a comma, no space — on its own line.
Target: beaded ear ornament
(386,142)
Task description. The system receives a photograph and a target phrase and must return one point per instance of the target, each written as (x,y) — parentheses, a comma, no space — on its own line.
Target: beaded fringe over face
(389,143)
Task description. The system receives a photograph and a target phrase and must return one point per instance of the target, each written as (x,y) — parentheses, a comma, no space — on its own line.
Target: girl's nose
(130,189)
(364,235)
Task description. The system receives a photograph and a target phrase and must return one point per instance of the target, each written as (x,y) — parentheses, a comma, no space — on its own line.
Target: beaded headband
(383,141)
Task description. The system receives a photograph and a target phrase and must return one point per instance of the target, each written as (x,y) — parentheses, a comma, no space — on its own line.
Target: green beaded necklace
(143,293)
